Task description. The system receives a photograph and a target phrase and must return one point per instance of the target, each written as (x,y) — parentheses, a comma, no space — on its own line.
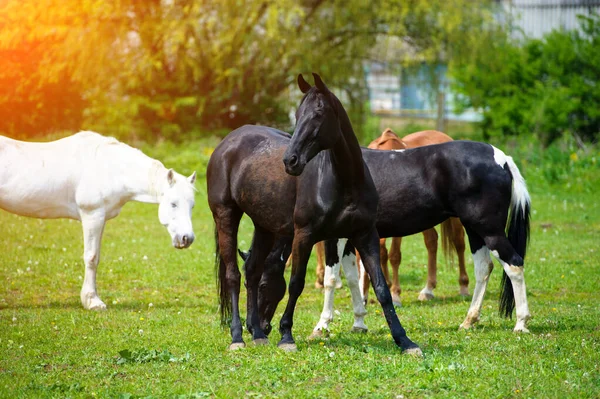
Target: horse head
(175,208)
(317,128)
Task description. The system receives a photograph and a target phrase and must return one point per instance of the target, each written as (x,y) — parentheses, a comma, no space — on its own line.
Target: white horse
(89,177)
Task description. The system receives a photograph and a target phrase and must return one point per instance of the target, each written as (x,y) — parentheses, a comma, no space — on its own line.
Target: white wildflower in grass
(120,258)
(141,332)
(150,304)
(145,257)
(331,354)
(337,312)
(64,249)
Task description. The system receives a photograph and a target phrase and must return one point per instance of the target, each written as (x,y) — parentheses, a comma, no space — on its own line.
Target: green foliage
(546,87)
(149,69)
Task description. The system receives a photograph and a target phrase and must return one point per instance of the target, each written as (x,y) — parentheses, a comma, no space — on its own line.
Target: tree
(169,67)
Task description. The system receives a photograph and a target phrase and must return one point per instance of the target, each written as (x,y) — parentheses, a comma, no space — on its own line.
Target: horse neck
(346,155)
(145,178)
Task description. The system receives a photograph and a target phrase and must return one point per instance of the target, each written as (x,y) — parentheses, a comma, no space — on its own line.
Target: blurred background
(185,69)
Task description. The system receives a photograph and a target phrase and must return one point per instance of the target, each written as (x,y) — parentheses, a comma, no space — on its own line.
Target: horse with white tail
(90,177)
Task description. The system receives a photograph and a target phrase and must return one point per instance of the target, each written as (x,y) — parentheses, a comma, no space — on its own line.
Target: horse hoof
(464,292)
(415,352)
(287,347)
(521,329)
(396,301)
(318,334)
(338,284)
(466,325)
(97,306)
(261,342)
(236,345)
(361,330)
(425,296)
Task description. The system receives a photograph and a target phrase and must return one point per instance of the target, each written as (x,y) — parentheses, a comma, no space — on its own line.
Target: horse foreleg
(262,242)
(367,245)
(395,260)
(483,267)
(430,236)
(301,248)
(93,227)
(458,238)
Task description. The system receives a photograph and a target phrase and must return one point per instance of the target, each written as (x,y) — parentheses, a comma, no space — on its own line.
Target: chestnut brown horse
(324,192)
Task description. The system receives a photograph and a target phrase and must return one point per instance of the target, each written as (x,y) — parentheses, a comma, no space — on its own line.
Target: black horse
(332,197)
(419,188)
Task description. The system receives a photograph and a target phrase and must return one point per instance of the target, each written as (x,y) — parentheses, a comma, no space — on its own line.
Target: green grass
(161,336)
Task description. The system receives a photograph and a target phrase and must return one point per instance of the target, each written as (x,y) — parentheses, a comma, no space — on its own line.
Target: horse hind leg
(347,255)
(93,227)
(483,267)
(458,239)
(332,259)
(513,291)
(262,242)
(395,258)
(227,223)
(320,271)
(430,237)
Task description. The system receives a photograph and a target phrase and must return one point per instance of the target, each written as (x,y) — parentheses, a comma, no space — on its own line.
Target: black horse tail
(222,289)
(517,232)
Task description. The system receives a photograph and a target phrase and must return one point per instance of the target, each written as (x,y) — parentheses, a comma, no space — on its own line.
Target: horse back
(426,185)
(246,172)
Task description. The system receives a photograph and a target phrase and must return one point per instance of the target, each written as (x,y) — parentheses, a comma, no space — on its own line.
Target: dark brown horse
(332,196)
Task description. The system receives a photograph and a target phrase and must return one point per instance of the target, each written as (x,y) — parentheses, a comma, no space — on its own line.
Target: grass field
(161,336)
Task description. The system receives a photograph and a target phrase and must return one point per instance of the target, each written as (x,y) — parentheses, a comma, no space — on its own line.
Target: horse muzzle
(293,165)
(183,241)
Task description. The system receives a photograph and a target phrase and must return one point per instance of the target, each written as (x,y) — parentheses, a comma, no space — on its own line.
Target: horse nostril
(293,160)
(184,240)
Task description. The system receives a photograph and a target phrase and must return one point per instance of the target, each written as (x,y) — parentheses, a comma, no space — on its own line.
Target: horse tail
(517,232)
(448,246)
(221,277)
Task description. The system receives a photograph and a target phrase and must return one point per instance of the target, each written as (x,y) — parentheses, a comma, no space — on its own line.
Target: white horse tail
(517,232)
(520,210)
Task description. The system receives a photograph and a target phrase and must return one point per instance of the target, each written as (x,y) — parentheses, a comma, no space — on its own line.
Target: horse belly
(33,193)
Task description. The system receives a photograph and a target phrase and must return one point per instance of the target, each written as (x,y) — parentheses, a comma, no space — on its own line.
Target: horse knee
(91,259)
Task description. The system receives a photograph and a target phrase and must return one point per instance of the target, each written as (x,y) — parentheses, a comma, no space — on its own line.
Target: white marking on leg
(483,267)
(517,279)
(426,294)
(363,281)
(328,295)
(351,273)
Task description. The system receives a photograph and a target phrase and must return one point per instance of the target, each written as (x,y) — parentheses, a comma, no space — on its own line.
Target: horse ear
(171,177)
(303,84)
(319,83)
(243,255)
(192,178)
